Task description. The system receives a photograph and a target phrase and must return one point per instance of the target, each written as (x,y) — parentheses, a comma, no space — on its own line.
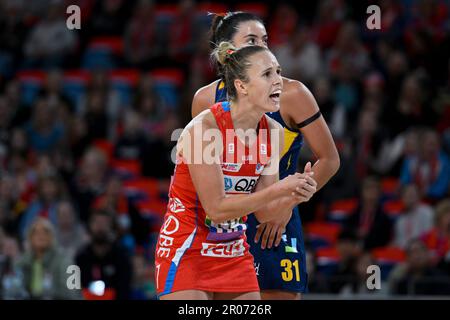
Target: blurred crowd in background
(86,122)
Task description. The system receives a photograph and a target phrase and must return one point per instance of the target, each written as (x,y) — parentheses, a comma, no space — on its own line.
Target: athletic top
(241,167)
(293,139)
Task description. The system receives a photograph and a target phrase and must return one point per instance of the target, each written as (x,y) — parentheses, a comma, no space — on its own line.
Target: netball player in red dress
(202,251)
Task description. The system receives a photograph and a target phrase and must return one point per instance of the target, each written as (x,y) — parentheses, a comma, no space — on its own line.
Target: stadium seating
(322,234)
(31,82)
(340,210)
(327,260)
(387,258)
(75,83)
(123,81)
(102,53)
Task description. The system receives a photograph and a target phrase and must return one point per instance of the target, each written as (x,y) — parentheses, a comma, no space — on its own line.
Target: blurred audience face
(242,36)
(93,164)
(101,228)
(371,190)
(65,216)
(114,187)
(132,125)
(418,256)
(430,144)
(364,261)
(96,102)
(410,196)
(49,189)
(347,36)
(43,115)
(19,140)
(411,143)
(397,64)
(442,216)
(367,122)
(54,81)
(322,90)
(41,235)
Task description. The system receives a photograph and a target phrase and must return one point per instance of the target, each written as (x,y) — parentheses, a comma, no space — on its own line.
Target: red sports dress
(192,251)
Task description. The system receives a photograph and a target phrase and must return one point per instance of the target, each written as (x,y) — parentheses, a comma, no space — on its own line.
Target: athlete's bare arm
(209,182)
(298,105)
(276,214)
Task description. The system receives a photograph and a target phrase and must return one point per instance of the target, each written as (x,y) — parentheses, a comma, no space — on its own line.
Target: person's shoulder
(204,97)
(298,100)
(292,87)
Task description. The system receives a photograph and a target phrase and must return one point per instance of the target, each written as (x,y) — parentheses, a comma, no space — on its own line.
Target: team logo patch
(259,168)
(228,183)
(223,250)
(231,167)
(175,205)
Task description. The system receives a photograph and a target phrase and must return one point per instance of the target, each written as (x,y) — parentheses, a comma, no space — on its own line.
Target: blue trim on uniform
(225,106)
(173,267)
(277,116)
(221,94)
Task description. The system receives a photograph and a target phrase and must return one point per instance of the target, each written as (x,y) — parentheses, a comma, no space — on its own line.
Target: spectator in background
(10,207)
(410,109)
(416,218)
(367,142)
(78,137)
(89,181)
(369,220)
(132,143)
(114,201)
(12,35)
(357,283)
(141,37)
(11,279)
(43,131)
(44,266)
(53,93)
(282,24)
(183,32)
(416,276)
(429,169)
(349,249)
(70,233)
(328,22)
(96,116)
(348,50)
(103,260)
(50,41)
(299,57)
(317,283)
(438,239)
(109,18)
(49,192)
(150,108)
(143,286)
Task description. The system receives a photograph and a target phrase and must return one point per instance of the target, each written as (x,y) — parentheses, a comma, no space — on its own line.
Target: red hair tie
(230,51)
